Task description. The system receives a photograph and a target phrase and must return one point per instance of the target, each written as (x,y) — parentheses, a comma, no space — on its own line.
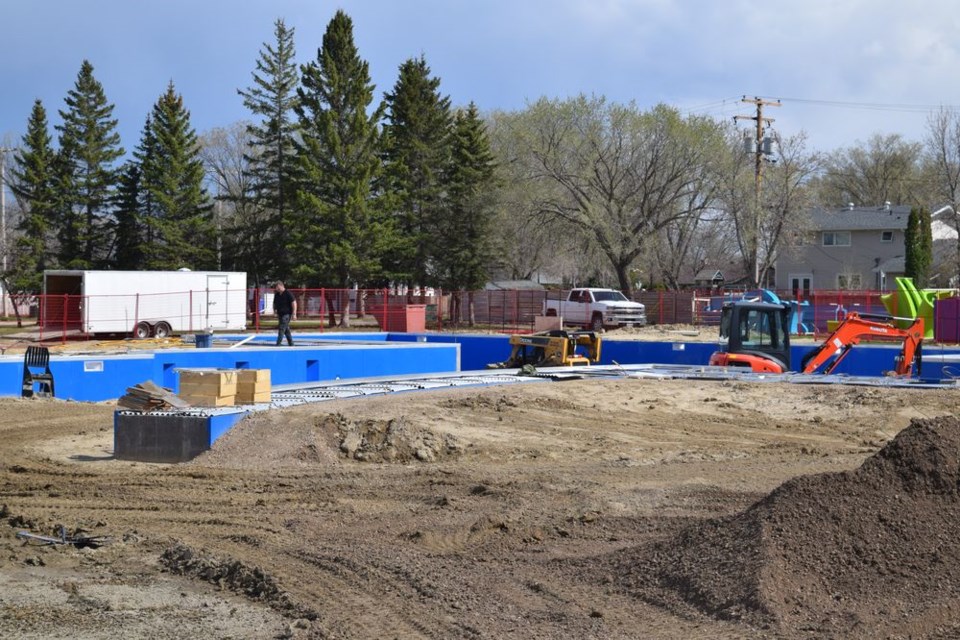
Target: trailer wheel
(142,330)
(162,330)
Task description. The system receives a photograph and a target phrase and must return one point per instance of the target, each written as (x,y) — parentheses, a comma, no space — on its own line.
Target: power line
(723,102)
(898,107)
(875,106)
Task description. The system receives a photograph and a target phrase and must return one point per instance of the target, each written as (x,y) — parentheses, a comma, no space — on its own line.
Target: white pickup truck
(596,309)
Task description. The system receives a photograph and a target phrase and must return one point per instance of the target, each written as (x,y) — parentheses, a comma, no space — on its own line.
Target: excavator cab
(754,335)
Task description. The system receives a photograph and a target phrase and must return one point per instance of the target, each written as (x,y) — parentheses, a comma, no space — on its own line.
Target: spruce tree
(463,232)
(918,247)
(129,253)
(416,153)
(339,233)
(89,147)
(926,243)
(34,180)
(175,207)
(272,160)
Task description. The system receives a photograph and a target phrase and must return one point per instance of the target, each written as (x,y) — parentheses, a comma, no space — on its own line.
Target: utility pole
(762,147)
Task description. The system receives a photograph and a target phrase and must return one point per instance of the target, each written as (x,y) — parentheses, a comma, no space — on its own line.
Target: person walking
(285,306)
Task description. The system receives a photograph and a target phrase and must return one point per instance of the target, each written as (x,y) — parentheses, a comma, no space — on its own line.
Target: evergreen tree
(464,231)
(135,205)
(174,205)
(416,153)
(89,146)
(339,234)
(918,247)
(130,251)
(926,242)
(34,183)
(272,159)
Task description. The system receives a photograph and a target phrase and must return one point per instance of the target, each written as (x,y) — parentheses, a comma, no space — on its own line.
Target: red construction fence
(507,311)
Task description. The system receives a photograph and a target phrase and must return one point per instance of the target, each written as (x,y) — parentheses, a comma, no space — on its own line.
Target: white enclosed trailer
(144,303)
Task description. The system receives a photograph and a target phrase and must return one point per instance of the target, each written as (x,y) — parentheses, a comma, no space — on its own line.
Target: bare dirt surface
(599,509)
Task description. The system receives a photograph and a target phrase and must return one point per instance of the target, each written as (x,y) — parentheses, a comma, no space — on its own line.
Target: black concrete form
(160,438)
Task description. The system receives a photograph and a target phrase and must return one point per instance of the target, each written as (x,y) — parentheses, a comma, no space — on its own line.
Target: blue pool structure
(326,357)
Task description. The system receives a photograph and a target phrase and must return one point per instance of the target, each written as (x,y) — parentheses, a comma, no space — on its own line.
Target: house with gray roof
(853,248)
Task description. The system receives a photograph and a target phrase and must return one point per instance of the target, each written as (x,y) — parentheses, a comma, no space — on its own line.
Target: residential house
(853,248)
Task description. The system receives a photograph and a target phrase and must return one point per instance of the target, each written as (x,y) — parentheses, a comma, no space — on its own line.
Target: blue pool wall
(864,360)
(94,378)
(325,357)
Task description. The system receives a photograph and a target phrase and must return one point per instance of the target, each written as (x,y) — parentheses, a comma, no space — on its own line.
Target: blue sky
(842,72)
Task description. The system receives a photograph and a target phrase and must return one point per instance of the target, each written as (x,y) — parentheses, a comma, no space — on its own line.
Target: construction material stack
(147,396)
(209,387)
(253,386)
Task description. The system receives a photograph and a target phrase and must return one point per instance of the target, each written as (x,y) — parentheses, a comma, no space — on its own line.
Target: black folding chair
(36,371)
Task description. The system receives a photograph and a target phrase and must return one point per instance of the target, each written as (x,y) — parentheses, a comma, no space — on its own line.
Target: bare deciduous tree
(244,236)
(760,227)
(884,169)
(943,159)
(619,174)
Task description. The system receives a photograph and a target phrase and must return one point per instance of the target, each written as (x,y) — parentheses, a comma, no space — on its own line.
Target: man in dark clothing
(285,306)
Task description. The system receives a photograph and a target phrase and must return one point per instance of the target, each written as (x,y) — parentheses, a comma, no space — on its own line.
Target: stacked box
(208,387)
(253,386)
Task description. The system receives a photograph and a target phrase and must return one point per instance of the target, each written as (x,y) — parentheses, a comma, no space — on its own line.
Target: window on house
(849,281)
(886,236)
(836,238)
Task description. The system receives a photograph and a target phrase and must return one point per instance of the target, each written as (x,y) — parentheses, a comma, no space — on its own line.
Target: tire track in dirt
(372,602)
(506,541)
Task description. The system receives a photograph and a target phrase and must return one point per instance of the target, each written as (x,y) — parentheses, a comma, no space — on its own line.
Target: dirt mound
(304,438)
(393,440)
(865,553)
(271,440)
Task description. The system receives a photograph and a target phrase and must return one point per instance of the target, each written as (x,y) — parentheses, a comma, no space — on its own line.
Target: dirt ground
(584,509)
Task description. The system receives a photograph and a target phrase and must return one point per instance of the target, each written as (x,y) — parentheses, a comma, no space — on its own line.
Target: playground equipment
(797,324)
(908,302)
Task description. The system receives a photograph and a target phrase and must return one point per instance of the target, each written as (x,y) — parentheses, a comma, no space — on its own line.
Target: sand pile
(867,553)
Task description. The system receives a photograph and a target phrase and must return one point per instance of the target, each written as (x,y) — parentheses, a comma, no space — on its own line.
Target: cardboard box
(253,386)
(208,387)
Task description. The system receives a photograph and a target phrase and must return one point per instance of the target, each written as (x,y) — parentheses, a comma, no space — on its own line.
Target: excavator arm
(852,330)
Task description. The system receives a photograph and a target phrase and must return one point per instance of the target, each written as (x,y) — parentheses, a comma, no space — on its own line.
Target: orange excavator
(758,337)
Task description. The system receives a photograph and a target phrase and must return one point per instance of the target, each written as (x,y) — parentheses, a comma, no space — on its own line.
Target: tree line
(328,186)
(325,188)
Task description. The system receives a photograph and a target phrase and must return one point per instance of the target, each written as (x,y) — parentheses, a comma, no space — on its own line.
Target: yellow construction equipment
(552,349)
